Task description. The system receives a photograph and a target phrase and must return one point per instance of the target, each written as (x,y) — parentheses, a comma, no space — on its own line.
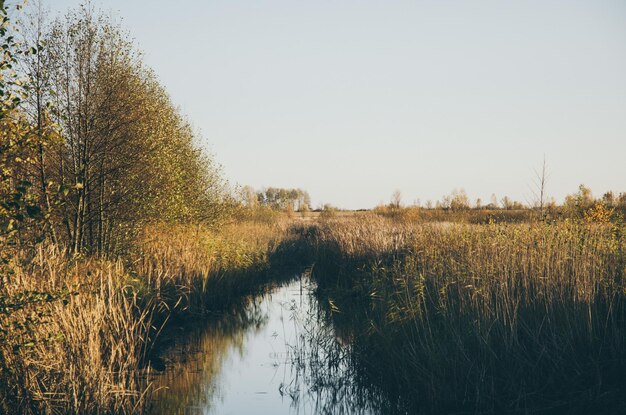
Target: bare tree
(396,199)
(539,189)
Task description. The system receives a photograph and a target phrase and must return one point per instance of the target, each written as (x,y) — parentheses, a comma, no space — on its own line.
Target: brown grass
(484,317)
(74,333)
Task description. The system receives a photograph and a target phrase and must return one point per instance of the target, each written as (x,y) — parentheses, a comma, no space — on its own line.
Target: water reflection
(276,354)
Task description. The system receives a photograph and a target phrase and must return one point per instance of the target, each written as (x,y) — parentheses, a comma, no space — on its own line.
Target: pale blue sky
(354,99)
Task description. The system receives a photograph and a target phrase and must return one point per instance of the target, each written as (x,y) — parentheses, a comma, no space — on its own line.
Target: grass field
(481,318)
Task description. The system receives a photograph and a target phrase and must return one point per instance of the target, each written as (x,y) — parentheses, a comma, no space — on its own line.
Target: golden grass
(484,317)
(74,332)
(472,317)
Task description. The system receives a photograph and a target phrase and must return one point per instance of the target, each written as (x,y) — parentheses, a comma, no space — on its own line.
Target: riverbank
(76,332)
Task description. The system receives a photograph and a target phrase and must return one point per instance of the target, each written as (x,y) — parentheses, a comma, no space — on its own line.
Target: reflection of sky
(257,374)
(250,379)
(353,99)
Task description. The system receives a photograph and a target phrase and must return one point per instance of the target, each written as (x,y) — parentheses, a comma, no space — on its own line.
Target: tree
(539,190)
(249,197)
(507,203)
(580,201)
(493,202)
(127,156)
(459,200)
(35,66)
(396,200)
(284,199)
(328,211)
(18,144)
(609,199)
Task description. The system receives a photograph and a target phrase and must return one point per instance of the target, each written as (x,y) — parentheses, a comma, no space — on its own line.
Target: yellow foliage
(599,213)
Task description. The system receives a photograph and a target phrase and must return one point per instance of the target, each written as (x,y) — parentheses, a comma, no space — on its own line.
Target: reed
(75,332)
(510,317)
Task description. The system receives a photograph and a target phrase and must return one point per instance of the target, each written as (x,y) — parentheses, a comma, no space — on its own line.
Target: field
(480,318)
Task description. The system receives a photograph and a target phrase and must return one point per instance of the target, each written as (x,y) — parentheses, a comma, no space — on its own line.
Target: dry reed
(75,332)
(511,317)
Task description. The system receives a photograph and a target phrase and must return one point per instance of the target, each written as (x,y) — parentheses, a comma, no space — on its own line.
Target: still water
(275,354)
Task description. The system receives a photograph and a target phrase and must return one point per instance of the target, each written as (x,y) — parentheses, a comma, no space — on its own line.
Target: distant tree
(609,199)
(328,211)
(304,201)
(284,199)
(539,190)
(396,200)
(459,200)
(582,199)
(577,203)
(507,203)
(249,197)
(444,203)
(493,202)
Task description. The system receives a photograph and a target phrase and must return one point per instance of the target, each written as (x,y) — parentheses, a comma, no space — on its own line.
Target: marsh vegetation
(124,252)
(482,318)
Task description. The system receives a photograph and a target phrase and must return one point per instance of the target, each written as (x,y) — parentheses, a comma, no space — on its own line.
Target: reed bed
(483,318)
(75,332)
(191,267)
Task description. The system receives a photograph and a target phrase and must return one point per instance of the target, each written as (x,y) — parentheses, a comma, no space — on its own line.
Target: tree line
(92,146)
(276,198)
(458,200)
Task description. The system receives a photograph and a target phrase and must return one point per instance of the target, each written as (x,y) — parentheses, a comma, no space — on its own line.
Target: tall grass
(191,267)
(516,317)
(71,338)
(449,317)
(75,332)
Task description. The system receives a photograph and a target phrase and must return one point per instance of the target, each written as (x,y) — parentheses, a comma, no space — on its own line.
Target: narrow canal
(276,354)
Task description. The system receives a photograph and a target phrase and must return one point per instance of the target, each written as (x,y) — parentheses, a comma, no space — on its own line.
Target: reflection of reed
(189,384)
(327,375)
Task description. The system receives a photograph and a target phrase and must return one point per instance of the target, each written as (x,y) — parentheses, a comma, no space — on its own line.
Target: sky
(354,99)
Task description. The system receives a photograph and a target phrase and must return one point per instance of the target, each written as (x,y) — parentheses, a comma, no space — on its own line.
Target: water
(276,354)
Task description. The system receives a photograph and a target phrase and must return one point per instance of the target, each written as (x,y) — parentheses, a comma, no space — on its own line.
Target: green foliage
(18,205)
(279,198)
(98,183)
